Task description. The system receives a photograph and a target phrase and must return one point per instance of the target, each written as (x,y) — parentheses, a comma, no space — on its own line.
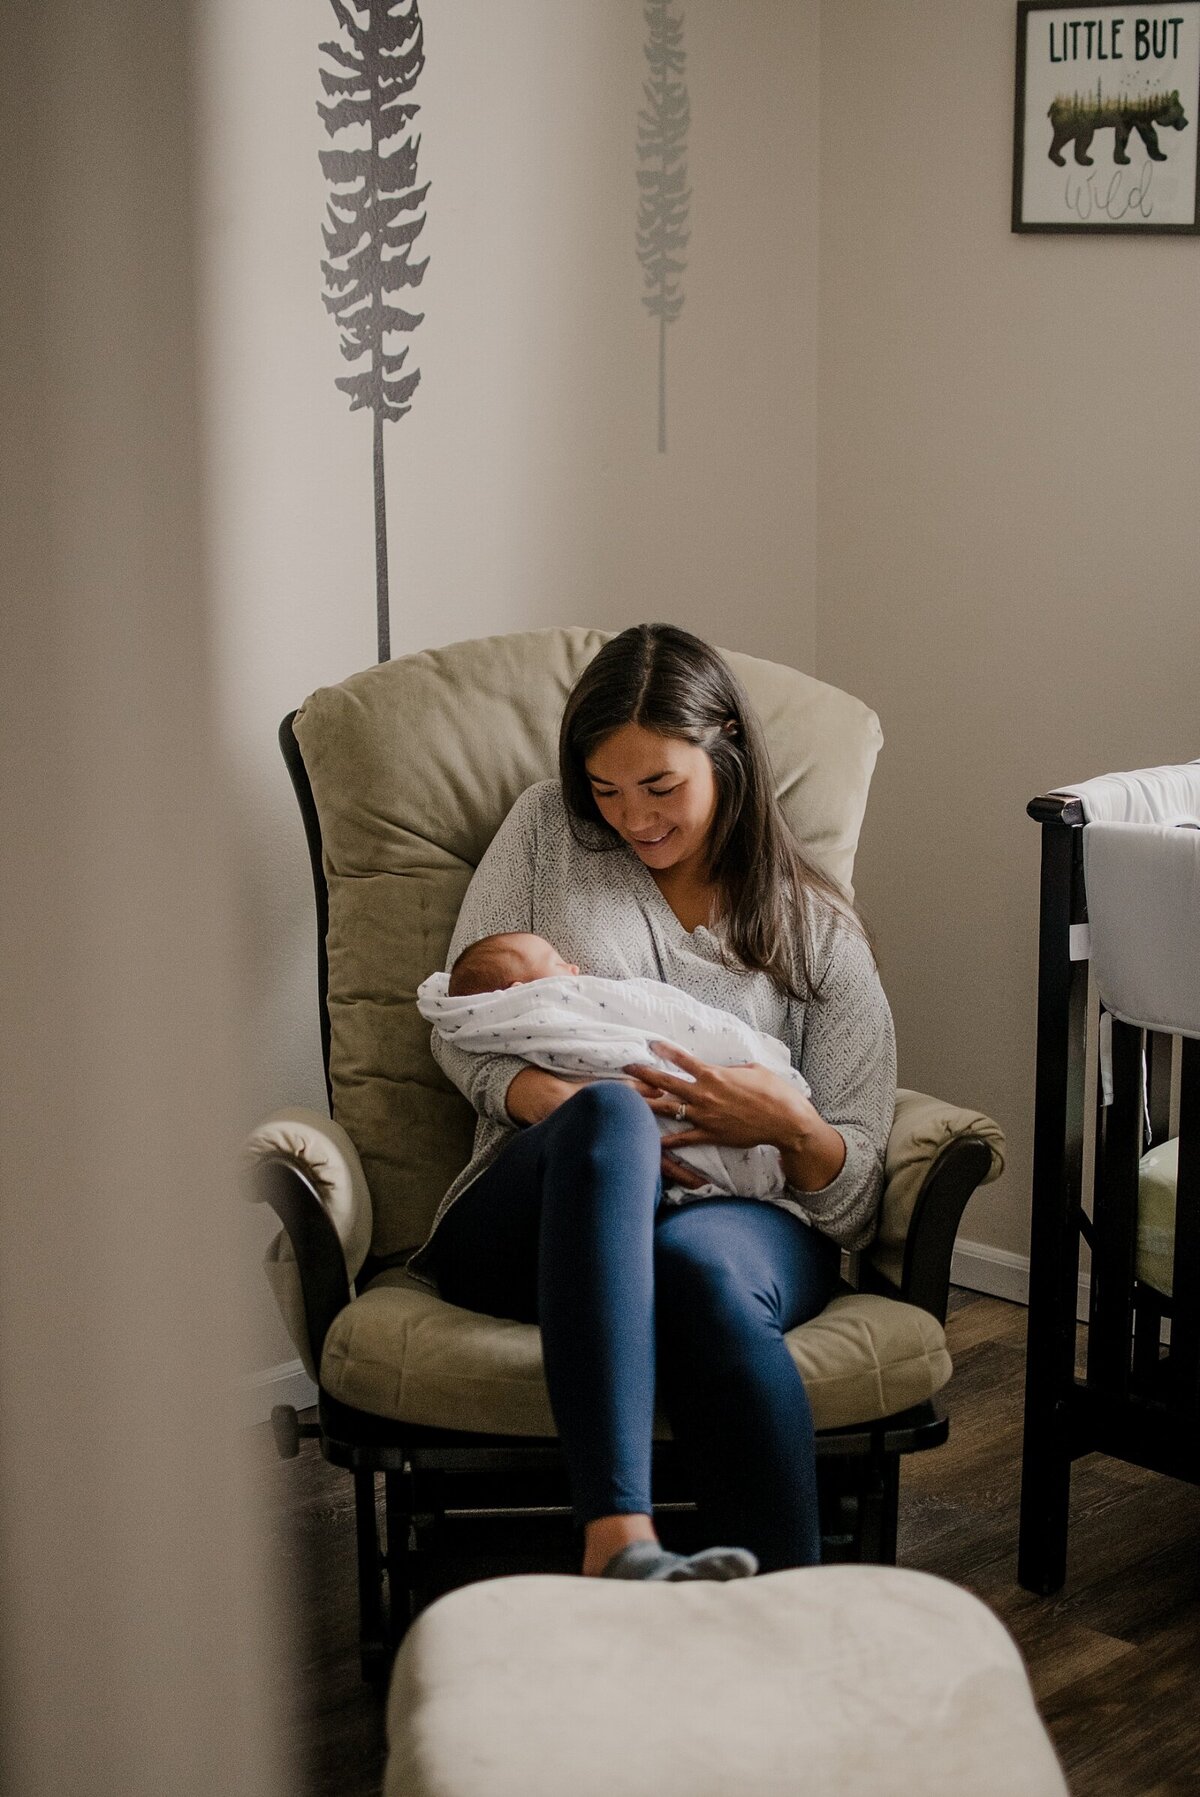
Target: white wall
(525,487)
(1009,428)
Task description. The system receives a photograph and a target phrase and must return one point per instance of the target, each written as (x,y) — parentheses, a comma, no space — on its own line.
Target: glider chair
(403,774)
(1116,1167)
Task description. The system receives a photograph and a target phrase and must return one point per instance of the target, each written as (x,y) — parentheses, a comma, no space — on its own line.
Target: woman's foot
(650,1560)
(605,1536)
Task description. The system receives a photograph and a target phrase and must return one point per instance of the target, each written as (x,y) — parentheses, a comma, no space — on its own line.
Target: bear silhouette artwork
(1080,119)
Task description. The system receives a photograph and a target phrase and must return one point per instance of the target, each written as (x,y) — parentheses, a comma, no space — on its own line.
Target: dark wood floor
(1114,1658)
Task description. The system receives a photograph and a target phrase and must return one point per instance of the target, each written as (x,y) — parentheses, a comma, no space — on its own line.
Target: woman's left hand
(732,1107)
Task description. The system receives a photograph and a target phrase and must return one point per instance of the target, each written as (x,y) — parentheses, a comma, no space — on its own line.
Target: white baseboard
(981,1268)
(1004,1275)
(285,1384)
(991,1270)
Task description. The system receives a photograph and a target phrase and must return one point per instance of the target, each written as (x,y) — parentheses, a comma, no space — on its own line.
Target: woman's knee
(610,1112)
(604,1150)
(701,1288)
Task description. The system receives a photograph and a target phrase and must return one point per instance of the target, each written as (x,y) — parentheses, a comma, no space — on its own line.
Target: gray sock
(650,1560)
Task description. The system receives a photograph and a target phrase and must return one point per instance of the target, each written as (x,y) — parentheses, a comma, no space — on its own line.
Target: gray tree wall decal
(371,222)
(662,181)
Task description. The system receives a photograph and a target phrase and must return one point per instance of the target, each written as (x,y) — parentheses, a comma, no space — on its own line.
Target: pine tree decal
(371,221)
(662,179)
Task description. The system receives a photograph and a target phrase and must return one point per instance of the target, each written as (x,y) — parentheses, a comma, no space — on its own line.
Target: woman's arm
(814,1154)
(499,897)
(848,1056)
(535,1092)
(832,1145)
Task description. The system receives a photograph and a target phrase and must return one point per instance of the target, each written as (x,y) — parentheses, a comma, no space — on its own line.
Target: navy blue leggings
(567,1229)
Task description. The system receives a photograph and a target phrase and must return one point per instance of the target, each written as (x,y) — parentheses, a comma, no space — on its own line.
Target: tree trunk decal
(372,221)
(662,180)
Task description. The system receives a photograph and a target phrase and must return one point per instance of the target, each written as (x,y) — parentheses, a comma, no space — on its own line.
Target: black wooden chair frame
(1131,1399)
(429,1474)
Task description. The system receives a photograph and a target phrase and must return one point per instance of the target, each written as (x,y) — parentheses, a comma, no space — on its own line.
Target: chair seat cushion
(838,1679)
(400,1351)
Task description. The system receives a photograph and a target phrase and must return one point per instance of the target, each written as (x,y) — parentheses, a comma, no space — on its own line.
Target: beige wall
(132,1631)
(525,487)
(1004,468)
(1008,527)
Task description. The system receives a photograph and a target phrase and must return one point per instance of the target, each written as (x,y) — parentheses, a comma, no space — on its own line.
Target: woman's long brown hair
(677,685)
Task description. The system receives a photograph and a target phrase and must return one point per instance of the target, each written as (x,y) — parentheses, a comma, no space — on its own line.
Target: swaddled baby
(514,994)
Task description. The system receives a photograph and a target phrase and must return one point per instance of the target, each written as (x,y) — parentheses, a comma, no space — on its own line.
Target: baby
(515,994)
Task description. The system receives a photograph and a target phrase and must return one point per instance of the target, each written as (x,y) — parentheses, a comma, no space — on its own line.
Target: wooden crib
(1116,1216)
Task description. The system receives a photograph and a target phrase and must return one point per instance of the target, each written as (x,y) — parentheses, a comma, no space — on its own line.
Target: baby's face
(536,959)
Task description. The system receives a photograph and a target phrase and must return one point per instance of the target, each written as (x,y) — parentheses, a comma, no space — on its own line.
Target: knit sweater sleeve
(847,1053)
(499,898)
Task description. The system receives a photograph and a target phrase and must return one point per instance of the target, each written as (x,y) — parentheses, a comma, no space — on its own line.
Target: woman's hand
(743,1107)
(734,1107)
(674,1171)
(533,1094)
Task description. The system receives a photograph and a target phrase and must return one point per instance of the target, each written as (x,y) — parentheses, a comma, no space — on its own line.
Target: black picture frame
(1108,185)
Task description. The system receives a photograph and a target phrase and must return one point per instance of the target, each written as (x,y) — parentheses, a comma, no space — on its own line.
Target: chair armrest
(937,1155)
(307,1169)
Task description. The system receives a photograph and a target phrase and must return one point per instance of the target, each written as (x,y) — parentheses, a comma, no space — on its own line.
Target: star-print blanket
(579,1026)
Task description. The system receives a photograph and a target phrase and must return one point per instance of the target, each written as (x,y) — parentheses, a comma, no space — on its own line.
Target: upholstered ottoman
(842,1679)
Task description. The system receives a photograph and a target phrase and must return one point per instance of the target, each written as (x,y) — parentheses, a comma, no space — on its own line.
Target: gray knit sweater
(602,909)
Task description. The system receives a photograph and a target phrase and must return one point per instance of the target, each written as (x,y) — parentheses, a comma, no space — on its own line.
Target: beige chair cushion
(400,1351)
(922,1129)
(414,765)
(837,1681)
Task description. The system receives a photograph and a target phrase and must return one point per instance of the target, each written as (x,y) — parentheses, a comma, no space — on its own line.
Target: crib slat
(1114,1251)
(1159,1055)
(1185,1303)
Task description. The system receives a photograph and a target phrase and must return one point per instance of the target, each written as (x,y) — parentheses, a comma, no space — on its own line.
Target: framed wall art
(1107,127)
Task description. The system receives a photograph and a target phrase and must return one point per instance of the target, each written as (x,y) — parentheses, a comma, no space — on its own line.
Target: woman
(662,853)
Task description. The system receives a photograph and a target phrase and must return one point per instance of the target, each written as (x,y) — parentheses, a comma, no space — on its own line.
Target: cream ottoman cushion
(839,1679)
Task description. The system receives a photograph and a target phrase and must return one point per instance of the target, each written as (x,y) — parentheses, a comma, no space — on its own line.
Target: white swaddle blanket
(575,1024)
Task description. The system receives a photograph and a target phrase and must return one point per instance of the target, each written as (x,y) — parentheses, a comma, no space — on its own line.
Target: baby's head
(510,959)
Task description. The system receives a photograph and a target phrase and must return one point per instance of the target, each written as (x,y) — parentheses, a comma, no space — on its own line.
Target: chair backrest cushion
(414,765)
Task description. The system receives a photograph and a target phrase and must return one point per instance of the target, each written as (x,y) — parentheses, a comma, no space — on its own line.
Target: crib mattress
(1157,1180)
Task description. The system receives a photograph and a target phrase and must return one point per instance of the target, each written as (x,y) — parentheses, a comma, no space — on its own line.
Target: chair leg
(840,1513)
(398,1518)
(879,1507)
(373,1646)
(889,1509)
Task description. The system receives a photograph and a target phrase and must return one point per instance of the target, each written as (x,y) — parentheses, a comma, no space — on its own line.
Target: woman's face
(660,796)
